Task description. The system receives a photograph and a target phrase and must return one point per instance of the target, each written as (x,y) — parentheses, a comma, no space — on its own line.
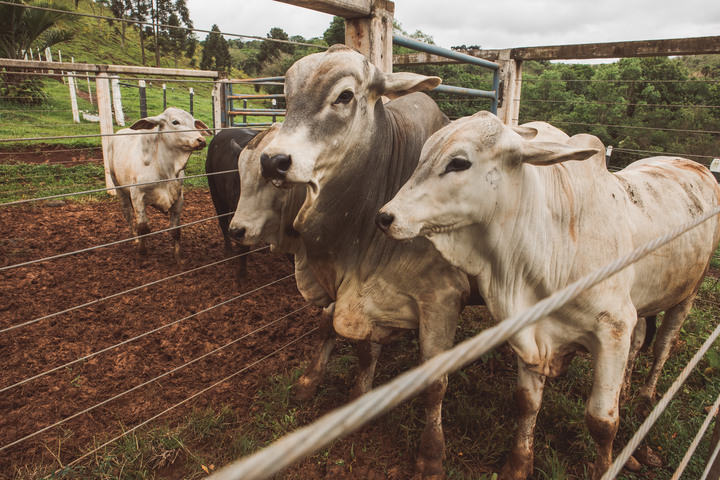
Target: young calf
(151,159)
(528,220)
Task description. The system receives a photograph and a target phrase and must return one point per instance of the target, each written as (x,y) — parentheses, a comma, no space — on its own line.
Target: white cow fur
(527,221)
(145,158)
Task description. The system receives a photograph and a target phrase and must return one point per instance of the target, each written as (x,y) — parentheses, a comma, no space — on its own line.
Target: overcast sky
(519,23)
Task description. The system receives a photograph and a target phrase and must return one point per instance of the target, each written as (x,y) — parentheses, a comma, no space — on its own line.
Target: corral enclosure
(182,370)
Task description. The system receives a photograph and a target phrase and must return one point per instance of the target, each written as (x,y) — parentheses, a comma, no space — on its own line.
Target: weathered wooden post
(219,106)
(372,34)
(511,81)
(102,85)
(192,98)
(143,99)
(73,97)
(368,25)
(117,101)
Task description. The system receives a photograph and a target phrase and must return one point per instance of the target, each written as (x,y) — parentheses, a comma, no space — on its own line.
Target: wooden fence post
(219,106)
(372,35)
(73,97)
(511,80)
(102,84)
(117,102)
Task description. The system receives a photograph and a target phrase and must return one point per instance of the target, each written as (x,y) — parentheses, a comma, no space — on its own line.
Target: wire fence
(357,413)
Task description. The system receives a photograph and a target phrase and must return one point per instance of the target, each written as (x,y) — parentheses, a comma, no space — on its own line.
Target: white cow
(142,158)
(526,220)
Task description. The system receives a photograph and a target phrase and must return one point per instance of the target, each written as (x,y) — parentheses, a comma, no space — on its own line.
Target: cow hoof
(430,470)
(513,472)
(304,392)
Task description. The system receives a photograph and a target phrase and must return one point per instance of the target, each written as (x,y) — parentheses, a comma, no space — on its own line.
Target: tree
(161,14)
(270,50)
(216,52)
(335,33)
(22,28)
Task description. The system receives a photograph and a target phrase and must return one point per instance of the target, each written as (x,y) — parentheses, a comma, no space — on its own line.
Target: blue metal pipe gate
(245,111)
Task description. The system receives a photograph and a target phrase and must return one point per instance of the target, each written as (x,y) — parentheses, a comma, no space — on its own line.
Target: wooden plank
(643,48)
(340,8)
(89,67)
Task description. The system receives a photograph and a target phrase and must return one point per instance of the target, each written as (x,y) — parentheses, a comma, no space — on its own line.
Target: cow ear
(235,147)
(527,133)
(549,153)
(403,83)
(204,129)
(147,123)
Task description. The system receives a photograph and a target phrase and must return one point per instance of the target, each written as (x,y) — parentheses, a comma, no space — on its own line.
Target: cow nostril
(275,167)
(383,220)
(237,234)
(282,162)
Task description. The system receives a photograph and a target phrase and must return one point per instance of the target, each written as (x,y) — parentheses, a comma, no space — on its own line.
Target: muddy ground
(175,307)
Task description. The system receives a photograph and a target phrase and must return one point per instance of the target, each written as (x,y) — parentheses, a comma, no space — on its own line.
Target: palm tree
(22,28)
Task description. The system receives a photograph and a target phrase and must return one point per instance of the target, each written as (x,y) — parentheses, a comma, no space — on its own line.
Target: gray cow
(354,152)
(149,158)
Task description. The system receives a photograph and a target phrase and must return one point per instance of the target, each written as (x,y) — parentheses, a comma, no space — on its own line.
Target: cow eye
(457,164)
(176,122)
(344,97)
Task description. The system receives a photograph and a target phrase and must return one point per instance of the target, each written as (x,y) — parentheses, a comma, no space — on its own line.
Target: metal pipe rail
(494,94)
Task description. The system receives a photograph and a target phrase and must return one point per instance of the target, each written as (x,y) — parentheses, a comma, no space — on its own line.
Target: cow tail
(651,328)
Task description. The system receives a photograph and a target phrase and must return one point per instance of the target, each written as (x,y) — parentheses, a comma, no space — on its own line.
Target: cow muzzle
(384,220)
(275,167)
(237,234)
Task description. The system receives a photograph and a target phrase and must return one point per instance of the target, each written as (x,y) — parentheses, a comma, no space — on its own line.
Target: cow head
(264,213)
(331,110)
(180,129)
(470,172)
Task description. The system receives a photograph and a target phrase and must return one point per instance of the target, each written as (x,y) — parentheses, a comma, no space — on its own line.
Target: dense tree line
(637,105)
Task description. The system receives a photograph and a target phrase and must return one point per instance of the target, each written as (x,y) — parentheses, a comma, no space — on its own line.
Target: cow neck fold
(339,228)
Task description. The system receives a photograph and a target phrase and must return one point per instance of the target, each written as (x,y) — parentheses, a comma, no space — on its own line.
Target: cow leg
(602,415)
(143,226)
(637,341)
(127,210)
(436,334)
(175,211)
(666,337)
(306,385)
(528,399)
(367,353)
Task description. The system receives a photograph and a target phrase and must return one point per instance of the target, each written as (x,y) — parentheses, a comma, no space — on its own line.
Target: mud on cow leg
(142,229)
(367,353)
(432,442)
(306,385)
(175,233)
(603,431)
(528,399)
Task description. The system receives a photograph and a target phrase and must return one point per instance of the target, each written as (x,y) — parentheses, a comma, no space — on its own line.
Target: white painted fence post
(117,102)
(218,96)
(102,84)
(73,98)
(48,57)
(60,60)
